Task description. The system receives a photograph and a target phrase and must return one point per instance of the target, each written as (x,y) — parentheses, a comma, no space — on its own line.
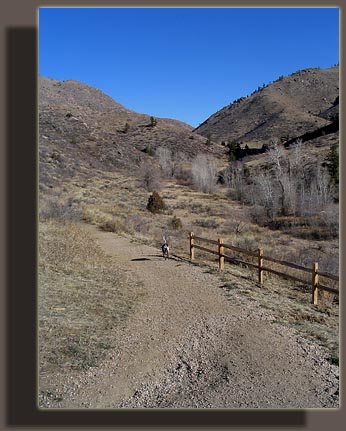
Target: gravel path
(187,346)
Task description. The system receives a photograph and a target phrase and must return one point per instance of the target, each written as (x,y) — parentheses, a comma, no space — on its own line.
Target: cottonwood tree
(234,178)
(164,155)
(204,173)
(149,177)
(285,171)
(170,162)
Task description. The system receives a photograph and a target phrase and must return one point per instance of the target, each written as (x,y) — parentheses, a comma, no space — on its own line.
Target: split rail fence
(261,268)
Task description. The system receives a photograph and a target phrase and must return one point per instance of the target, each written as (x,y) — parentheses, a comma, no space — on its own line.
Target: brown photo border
(18,191)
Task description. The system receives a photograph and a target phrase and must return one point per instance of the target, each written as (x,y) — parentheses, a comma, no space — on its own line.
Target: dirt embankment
(187,346)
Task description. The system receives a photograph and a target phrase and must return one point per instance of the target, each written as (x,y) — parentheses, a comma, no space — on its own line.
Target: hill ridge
(288,106)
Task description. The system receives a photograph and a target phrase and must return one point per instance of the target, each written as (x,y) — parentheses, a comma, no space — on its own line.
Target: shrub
(59,210)
(112,225)
(207,223)
(176,223)
(149,150)
(126,128)
(155,203)
(108,226)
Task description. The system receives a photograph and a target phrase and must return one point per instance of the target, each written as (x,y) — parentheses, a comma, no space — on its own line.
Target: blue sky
(183,63)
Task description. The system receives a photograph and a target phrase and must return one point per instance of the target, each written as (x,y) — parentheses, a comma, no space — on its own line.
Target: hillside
(290,107)
(82,128)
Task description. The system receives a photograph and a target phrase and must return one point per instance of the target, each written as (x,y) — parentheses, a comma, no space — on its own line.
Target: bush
(207,223)
(155,203)
(59,210)
(149,150)
(112,225)
(176,223)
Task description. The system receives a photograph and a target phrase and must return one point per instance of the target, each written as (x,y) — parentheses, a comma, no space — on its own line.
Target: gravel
(188,346)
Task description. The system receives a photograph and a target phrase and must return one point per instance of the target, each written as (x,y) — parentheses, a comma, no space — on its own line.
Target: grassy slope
(83,300)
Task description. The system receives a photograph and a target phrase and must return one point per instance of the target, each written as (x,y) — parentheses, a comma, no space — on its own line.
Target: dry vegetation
(83,300)
(82,296)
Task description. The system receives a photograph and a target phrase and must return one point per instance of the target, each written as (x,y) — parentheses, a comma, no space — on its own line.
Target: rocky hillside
(290,107)
(82,128)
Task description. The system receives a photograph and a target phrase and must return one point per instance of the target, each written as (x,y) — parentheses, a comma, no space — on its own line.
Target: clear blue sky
(184,63)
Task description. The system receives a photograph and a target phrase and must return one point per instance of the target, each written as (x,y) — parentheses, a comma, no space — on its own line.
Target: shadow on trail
(139,259)
(158,256)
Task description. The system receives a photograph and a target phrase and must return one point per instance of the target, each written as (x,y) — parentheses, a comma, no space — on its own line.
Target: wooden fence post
(314,299)
(221,252)
(192,248)
(260,266)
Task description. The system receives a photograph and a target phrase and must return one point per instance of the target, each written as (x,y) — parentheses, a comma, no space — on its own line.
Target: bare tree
(235,180)
(204,173)
(164,155)
(149,177)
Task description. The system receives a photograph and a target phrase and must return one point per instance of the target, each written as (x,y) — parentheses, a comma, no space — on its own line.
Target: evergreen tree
(333,163)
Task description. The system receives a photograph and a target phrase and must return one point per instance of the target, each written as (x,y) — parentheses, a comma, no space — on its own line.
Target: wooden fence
(261,268)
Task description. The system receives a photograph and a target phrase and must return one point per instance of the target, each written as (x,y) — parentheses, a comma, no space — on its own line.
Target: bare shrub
(138,224)
(112,225)
(54,209)
(204,173)
(258,215)
(207,223)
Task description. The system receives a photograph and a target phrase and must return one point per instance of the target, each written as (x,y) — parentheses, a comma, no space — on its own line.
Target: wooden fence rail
(259,255)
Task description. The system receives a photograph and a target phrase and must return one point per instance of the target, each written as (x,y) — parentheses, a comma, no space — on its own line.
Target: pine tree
(333,163)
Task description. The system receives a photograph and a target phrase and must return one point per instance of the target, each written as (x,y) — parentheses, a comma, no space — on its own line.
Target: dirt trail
(187,346)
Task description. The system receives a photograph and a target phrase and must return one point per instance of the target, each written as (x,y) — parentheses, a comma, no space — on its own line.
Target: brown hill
(55,93)
(82,128)
(291,106)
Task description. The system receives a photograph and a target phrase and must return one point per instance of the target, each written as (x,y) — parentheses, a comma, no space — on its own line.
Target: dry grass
(82,299)
(288,303)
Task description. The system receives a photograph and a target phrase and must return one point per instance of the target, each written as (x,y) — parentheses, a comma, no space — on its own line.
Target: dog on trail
(165,248)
